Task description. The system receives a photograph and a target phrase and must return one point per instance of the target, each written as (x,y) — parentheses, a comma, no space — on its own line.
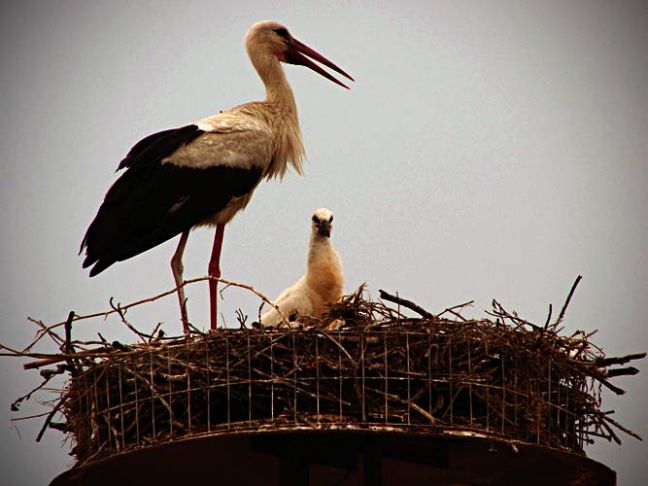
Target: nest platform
(449,387)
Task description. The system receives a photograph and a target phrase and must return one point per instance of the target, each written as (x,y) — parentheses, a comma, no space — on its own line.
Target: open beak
(297,52)
(324,228)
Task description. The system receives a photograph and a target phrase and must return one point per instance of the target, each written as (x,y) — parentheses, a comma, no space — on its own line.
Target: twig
(69,347)
(600,377)
(627,371)
(619,360)
(44,330)
(566,304)
(105,314)
(452,310)
(621,427)
(68,333)
(230,283)
(548,317)
(48,420)
(48,359)
(122,315)
(501,313)
(15,405)
(29,417)
(405,303)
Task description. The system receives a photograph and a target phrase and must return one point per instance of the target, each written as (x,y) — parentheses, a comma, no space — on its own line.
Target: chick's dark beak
(324,228)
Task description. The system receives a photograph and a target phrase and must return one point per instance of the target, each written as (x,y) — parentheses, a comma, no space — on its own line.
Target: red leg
(177,269)
(214,271)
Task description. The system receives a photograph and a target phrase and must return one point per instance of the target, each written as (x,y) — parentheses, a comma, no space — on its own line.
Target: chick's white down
(323,282)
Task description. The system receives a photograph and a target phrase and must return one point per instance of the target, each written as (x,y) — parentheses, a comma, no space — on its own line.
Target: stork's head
(322,223)
(273,38)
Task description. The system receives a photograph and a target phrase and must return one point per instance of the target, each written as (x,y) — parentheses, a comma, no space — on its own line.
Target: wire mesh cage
(416,376)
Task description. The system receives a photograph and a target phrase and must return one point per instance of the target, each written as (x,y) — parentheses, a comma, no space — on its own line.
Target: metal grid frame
(401,379)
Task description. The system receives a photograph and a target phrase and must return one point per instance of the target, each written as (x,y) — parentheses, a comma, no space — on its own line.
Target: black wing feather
(152,202)
(159,145)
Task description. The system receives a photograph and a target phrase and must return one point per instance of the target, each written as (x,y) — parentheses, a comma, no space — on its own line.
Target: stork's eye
(281,32)
(315,220)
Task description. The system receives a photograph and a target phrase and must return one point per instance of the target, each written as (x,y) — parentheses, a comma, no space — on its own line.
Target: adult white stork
(323,282)
(205,172)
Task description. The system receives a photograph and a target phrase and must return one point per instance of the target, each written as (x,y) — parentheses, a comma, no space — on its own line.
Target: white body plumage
(321,285)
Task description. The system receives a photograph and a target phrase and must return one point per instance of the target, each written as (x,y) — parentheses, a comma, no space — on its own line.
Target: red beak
(295,55)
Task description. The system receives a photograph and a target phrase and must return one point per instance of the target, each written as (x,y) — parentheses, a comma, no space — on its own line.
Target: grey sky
(487,149)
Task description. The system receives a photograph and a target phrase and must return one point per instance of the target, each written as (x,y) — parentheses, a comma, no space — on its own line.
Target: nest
(429,374)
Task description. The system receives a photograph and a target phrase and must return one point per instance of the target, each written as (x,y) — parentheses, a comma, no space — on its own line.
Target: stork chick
(323,282)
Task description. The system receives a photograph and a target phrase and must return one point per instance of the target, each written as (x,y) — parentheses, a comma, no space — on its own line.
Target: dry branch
(405,303)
